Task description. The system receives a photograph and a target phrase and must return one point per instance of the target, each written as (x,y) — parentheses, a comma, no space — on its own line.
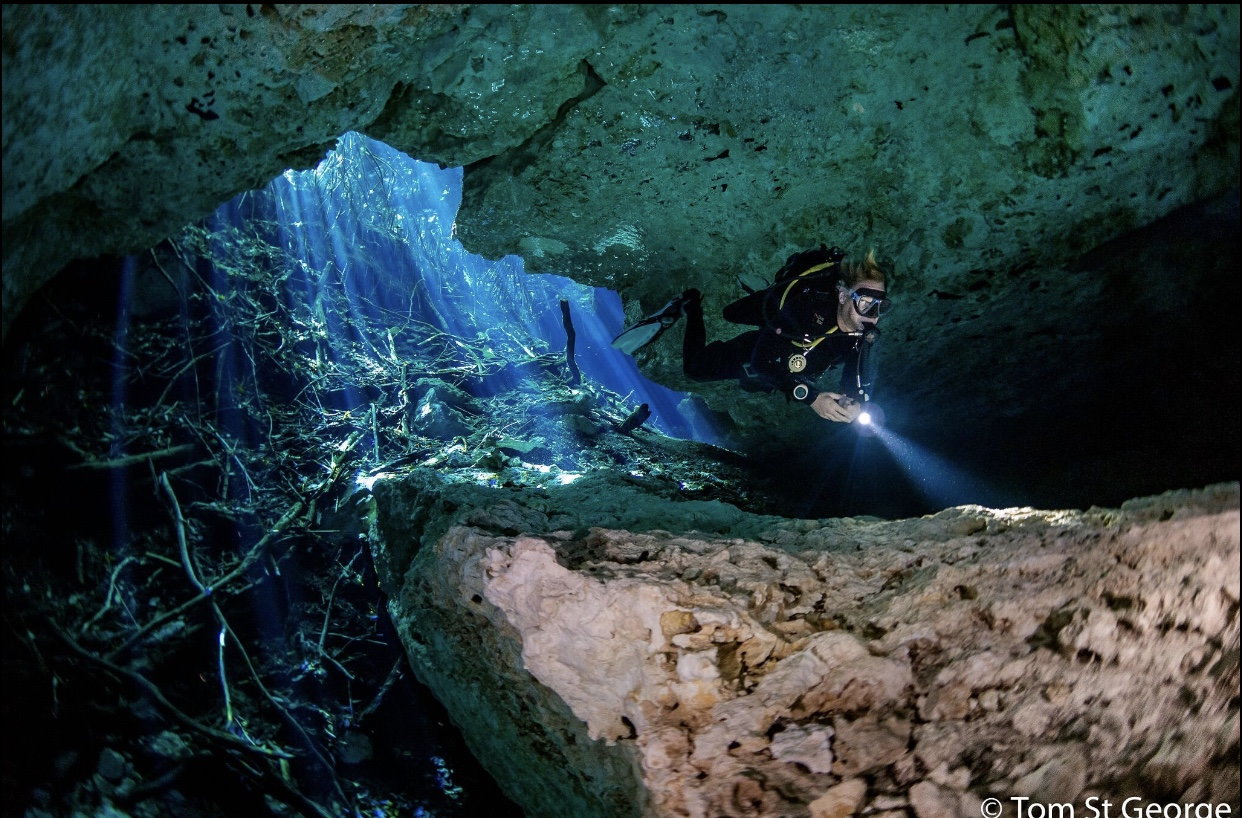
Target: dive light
(870,420)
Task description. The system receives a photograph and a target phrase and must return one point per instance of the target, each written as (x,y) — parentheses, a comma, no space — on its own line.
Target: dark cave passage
(1147,404)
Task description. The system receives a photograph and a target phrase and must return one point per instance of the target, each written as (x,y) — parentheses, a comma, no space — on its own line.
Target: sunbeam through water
(377,227)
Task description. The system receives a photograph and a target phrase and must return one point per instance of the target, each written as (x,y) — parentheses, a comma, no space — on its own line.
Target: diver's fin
(647,330)
(637,418)
(637,336)
(752,283)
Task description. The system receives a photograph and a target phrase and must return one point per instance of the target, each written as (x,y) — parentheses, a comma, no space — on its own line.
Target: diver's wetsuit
(797,341)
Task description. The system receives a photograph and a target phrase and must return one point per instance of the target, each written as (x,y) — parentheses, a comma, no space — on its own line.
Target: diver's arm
(832,406)
(844,405)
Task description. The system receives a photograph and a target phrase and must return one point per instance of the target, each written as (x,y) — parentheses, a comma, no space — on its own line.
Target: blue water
(379,224)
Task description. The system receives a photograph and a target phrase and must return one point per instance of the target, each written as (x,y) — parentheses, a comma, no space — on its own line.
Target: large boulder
(733,665)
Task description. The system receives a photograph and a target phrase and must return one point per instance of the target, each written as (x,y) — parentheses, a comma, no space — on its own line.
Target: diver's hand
(836,407)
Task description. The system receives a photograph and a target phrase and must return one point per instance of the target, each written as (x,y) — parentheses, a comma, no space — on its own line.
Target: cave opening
(233,393)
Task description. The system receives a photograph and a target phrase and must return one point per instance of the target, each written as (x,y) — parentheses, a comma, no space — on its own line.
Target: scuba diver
(819,313)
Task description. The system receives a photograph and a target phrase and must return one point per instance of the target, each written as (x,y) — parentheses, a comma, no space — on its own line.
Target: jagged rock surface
(738,665)
(611,142)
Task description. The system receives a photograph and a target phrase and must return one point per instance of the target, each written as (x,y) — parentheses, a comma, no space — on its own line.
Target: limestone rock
(606,672)
(840,801)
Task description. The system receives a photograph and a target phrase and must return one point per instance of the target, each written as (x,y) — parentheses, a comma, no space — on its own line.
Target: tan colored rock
(809,746)
(1033,719)
(931,801)
(665,688)
(957,779)
(951,701)
(870,742)
(676,622)
(1061,780)
(840,801)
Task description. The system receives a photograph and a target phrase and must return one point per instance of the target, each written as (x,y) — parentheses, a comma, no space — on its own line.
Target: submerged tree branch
(157,695)
(252,556)
(130,460)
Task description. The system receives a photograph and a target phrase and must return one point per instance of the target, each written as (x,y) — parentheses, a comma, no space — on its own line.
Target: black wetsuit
(797,342)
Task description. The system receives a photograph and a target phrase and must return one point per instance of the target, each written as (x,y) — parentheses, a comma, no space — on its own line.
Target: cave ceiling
(1015,166)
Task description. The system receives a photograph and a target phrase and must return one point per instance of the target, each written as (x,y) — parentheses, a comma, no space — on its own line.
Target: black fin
(637,418)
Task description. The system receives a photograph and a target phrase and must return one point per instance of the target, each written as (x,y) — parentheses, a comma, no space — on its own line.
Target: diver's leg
(747,310)
(694,342)
(717,361)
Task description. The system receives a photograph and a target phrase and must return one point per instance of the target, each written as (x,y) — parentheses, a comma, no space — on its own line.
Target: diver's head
(862,296)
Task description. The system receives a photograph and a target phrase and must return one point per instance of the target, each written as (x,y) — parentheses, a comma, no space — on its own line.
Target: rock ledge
(833,667)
